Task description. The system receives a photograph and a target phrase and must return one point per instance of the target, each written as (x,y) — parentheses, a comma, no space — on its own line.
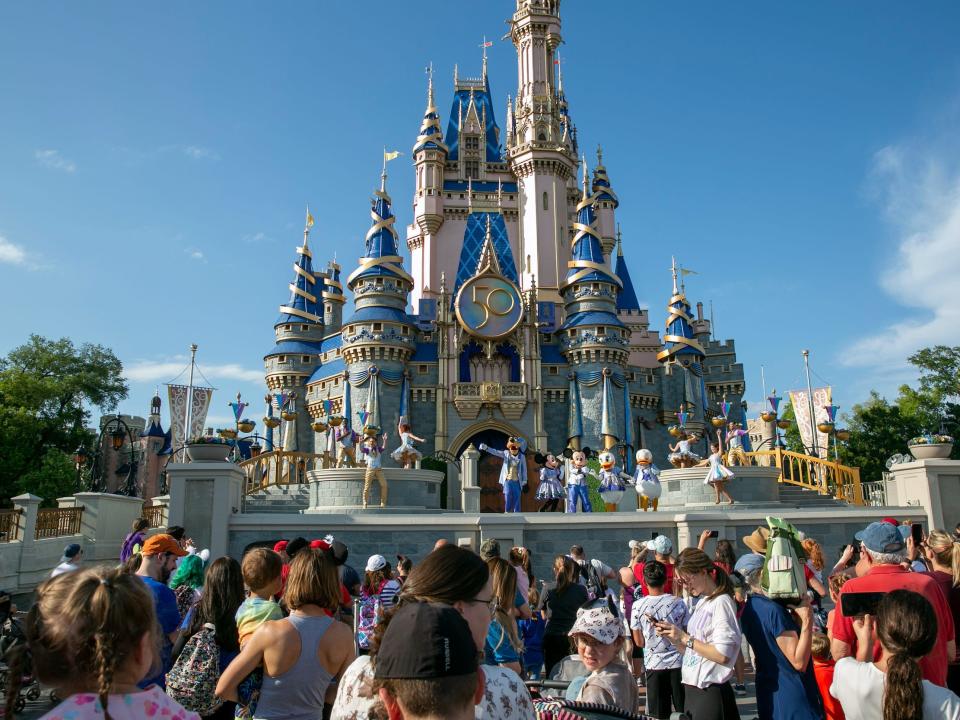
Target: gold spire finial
(585,176)
(673,267)
(599,156)
(484,45)
(431,107)
(559,74)
(619,242)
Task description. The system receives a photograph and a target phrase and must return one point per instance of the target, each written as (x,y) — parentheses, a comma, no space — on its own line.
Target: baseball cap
(426,641)
(319,545)
(881,537)
(70,552)
(156,544)
(280,546)
(661,544)
(489,549)
(891,521)
(599,623)
(749,564)
(376,562)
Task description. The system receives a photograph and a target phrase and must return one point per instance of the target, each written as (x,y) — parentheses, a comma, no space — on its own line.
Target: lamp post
(80,458)
(119,432)
(830,428)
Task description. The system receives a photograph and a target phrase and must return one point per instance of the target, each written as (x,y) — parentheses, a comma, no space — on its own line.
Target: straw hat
(757,540)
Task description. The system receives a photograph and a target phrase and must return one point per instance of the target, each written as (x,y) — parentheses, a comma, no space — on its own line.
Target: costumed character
(373,452)
(735,454)
(550,488)
(647,480)
(577,487)
(612,478)
(330,451)
(406,454)
(718,475)
(346,447)
(513,472)
(681,456)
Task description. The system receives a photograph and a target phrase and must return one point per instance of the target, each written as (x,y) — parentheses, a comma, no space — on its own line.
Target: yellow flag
(684,272)
(309,218)
(392,155)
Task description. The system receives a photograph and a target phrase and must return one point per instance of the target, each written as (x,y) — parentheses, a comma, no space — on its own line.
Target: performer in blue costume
(513,472)
(550,488)
(577,488)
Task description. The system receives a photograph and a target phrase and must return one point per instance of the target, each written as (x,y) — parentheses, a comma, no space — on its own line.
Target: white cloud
(166,370)
(197,152)
(12,254)
(918,184)
(53,159)
(257,238)
(195,254)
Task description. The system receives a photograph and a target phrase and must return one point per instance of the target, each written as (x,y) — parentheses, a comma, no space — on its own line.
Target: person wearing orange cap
(160,553)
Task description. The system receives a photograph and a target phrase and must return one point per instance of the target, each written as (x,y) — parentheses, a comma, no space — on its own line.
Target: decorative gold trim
(302,293)
(300,313)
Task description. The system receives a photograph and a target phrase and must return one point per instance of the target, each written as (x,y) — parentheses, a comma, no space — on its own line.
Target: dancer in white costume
(719,474)
(682,456)
(407,454)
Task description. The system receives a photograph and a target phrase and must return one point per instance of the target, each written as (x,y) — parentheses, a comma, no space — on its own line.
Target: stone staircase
(802,497)
(278,499)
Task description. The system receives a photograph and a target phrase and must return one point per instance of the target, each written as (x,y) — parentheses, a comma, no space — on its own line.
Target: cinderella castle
(515,314)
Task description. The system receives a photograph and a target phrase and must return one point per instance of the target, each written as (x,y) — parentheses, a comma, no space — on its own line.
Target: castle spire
(587,251)
(382,256)
(431,135)
(627,297)
(679,340)
(303,304)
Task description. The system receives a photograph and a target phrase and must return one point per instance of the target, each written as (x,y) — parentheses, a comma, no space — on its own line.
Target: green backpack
(783,577)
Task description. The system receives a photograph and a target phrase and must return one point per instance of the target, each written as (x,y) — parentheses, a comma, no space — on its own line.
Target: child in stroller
(12,636)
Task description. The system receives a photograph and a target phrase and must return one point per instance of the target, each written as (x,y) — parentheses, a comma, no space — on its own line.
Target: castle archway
(495,435)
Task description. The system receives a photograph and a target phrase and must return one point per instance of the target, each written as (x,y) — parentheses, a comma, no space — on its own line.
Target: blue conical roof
(479,93)
(678,339)
(431,136)
(587,264)
(381,258)
(303,304)
(627,297)
(601,183)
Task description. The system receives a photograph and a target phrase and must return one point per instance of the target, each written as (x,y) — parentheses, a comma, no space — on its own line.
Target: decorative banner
(327,407)
(801,410)
(238,408)
(373,403)
(575,417)
(774,401)
(831,411)
(363,417)
(627,430)
(725,408)
(608,420)
(177,399)
(198,414)
(405,399)
(683,416)
(347,408)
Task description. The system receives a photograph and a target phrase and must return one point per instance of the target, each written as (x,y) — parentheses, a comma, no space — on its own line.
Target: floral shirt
(150,703)
(505,697)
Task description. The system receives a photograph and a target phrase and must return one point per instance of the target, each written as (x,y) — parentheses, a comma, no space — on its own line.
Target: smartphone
(651,618)
(854,604)
(714,533)
(916,531)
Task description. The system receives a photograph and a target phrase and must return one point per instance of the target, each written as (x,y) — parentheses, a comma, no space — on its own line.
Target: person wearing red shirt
(823,666)
(885,548)
(662,547)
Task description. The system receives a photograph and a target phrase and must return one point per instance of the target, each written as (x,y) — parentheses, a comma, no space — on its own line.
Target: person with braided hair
(893,687)
(92,636)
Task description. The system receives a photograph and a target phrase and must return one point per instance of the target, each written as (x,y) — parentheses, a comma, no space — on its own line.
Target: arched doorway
(488,471)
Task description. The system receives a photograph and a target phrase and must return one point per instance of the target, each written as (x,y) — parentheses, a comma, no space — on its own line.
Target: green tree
(792,433)
(47,389)
(878,429)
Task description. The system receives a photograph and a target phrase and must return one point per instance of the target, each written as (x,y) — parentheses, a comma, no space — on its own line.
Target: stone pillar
(203,497)
(28,505)
(934,485)
(106,520)
(470,479)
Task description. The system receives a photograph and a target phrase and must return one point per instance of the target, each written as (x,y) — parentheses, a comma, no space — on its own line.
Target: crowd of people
(293,631)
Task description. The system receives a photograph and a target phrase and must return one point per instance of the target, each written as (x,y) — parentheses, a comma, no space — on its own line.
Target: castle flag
(392,155)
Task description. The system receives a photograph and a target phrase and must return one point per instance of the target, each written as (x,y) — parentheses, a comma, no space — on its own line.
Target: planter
(247,426)
(931,451)
(208,452)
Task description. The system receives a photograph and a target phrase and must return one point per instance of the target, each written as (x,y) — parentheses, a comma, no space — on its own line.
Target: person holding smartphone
(711,642)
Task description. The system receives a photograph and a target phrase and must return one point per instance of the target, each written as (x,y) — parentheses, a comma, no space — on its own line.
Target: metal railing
(278,467)
(874,493)
(153,514)
(57,522)
(9,525)
(813,473)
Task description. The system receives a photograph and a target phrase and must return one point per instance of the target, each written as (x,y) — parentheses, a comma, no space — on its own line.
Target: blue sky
(803,157)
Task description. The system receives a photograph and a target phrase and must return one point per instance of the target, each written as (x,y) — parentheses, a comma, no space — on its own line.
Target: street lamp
(80,458)
(830,428)
(119,433)
(773,416)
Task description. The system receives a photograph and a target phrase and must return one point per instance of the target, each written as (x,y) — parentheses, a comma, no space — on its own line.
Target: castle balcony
(511,398)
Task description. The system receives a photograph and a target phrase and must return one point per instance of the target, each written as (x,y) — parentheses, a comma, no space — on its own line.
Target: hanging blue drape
(347,407)
(404,398)
(628,430)
(373,403)
(575,417)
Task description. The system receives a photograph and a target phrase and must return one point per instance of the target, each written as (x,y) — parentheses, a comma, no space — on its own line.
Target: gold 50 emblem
(489,306)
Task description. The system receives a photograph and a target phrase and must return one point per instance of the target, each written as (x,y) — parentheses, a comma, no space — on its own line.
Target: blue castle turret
(593,339)
(299,331)
(379,338)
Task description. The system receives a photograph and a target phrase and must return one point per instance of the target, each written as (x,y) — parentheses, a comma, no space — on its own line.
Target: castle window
(422,369)
(573,333)
(378,327)
(427,337)
(281,358)
(404,330)
(553,370)
(601,331)
(329,308)
(306,358)
(595,286)
(471,169)
(287,328)
(546,202)
(650,380)
(471,142)
(303,328)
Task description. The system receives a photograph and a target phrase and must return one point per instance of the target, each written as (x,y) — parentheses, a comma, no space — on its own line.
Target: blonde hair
(836,582)
(820,646)
(946,552)
(503,578)
(85,625)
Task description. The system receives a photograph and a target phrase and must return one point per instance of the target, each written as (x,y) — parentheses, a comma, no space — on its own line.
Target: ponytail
(946,553)
(724,584)
(903,690)
(907,630)
(694,560)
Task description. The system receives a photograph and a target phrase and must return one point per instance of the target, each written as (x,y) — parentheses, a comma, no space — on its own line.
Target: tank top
(298,694)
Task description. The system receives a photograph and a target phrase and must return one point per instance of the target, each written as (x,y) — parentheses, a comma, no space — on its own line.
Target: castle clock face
(489,306)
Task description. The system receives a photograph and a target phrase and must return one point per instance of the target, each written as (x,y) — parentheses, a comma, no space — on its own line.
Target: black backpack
(596,587)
